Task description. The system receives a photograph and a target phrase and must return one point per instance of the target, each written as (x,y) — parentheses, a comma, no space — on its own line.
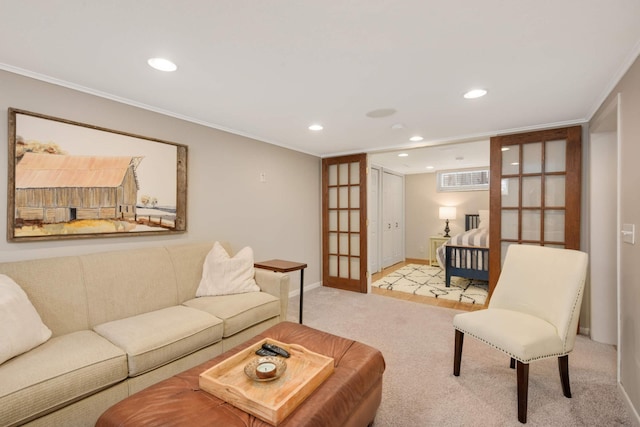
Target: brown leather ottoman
(349,397)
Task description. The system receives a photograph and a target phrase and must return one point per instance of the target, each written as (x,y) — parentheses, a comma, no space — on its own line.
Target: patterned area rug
(429,281)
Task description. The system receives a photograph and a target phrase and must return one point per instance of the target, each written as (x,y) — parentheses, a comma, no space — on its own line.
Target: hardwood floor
(418,298)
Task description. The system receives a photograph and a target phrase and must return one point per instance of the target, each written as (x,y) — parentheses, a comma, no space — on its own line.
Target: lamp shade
(447,212)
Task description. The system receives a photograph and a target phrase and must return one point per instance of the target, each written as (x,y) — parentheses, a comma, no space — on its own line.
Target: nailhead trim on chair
(508,353)
(573,310)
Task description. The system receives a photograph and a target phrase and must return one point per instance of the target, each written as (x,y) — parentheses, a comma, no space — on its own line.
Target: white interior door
(603,235)
(374,221)
(392,218)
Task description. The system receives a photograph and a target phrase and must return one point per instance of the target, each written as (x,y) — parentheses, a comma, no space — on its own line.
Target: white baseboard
(307,288)
(635,417)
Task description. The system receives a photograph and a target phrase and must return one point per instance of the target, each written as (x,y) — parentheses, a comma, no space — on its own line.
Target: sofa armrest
(276,284)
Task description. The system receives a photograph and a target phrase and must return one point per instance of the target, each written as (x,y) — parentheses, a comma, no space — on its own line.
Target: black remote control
(274,348)
(264,352)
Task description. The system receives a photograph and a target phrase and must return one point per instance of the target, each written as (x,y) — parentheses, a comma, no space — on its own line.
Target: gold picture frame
(70,180)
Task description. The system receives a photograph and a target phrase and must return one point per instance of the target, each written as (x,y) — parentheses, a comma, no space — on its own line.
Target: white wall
(226,200)
(629,134)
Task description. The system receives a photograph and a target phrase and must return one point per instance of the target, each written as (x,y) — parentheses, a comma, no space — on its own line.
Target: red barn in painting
(53,188)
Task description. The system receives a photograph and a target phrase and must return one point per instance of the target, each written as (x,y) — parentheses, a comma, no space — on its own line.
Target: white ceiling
(267,69)
(463,155)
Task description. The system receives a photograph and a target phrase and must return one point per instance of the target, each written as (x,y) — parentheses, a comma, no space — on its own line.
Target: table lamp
(447,213)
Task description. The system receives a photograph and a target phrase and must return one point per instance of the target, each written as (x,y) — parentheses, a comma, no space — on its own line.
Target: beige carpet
(429,281)
(419,388)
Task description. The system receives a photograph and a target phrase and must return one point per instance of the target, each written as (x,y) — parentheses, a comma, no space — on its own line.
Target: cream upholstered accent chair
(533,312)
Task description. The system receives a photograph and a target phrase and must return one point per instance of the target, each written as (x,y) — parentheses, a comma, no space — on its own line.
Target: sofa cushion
(188,260)
(58,372)
(156,338)
(127,283)
(21,328)
(238,311)
(54,286)
(225,275)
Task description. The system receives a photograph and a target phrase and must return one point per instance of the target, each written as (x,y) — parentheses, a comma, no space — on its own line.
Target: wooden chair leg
(513,363)
(457,355)
(523,390)
(563,367)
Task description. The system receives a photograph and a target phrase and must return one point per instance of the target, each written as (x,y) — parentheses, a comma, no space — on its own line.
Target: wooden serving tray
(270,401)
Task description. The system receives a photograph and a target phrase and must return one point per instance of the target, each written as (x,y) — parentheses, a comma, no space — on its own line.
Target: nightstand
(434,243)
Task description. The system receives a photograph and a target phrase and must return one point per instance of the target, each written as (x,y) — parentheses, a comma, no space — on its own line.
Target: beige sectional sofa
(120,322)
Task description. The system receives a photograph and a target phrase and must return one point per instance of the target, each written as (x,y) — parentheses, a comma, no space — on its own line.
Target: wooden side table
(282,266)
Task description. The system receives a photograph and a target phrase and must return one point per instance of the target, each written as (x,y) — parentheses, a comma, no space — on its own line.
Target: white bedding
(476,237)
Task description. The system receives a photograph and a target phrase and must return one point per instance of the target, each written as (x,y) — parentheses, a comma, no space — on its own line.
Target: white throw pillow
(21,328)
(224,275)
(484,219)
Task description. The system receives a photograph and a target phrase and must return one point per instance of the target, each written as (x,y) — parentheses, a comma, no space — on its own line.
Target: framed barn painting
(70,180)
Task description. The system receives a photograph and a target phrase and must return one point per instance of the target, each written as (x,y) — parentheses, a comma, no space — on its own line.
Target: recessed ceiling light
(403,155)
(505,148)
(515,164)
(416,138)
(475,93)
(162,64)
(429,167)
(316,127)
